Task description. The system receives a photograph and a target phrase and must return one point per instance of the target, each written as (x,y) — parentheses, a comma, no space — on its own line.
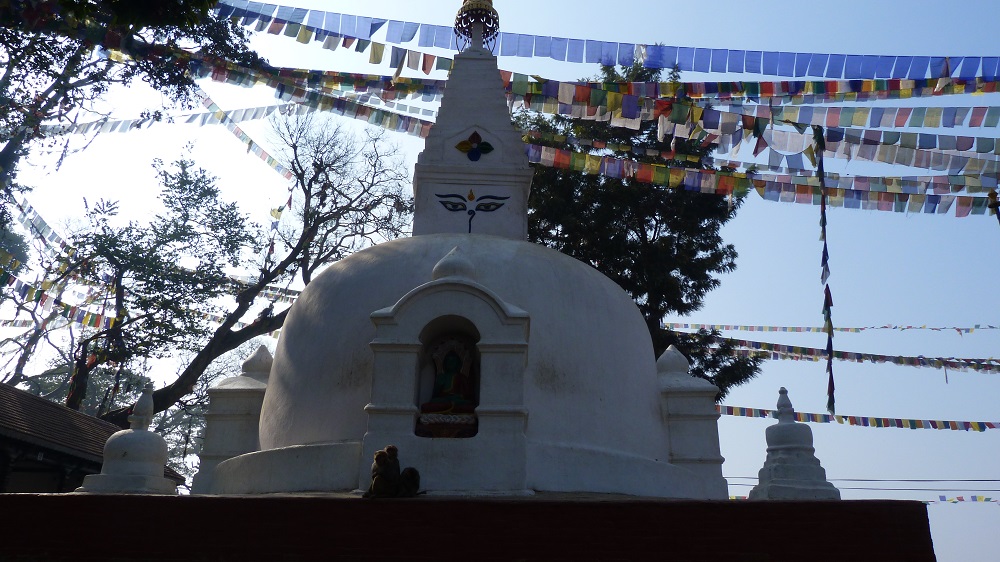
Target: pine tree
(662,245)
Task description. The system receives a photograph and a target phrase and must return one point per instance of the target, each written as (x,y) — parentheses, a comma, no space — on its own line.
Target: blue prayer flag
(753,62)
(409,31)
(575,50)
(990,68)
(609,53)
(970,68)
(902,67)
(771,63)
(852,70)
(802,63)
(543,46)
(508,44)
(557,48)
(626,54)
(349,26)
(525,45)
(817,64)
(786,64)
(937,67)
(736,59)
(719,59)
(395,32)
(685,58)
(868,65)
(918,68)
(593,51)
(883,69)
(835,68)
(702,60)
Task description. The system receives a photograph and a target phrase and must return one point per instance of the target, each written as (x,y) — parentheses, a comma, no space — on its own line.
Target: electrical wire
(883,479)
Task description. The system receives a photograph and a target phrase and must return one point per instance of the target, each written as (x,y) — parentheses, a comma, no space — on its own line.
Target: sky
(887,268)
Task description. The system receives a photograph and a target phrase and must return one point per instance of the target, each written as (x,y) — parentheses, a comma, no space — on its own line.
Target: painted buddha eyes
(488,207)
(453,205)
(455,202)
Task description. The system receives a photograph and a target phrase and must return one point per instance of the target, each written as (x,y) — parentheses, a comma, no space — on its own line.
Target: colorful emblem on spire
(475,147)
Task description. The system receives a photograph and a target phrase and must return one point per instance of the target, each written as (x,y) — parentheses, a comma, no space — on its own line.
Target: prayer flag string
(307,25)
(819,329)
(861,421)
(797,353)
(825,271)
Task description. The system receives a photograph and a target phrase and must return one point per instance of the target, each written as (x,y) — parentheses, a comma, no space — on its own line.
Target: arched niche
(405,334)
(448,386)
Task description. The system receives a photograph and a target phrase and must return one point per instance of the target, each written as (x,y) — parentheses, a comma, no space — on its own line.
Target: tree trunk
(222,342)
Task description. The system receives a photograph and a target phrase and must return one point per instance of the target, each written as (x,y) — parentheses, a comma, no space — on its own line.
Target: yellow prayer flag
(593,165)
(614,101)
(810,153)
(378,52)
(305,34)
(860,116)
(677,177)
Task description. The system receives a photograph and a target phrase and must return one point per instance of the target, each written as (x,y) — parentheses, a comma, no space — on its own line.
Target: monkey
(409,483)
(381,487)
(392,464)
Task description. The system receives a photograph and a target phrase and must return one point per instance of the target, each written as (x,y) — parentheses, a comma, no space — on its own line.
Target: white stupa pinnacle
(791,470)
(142,413)
(473,176)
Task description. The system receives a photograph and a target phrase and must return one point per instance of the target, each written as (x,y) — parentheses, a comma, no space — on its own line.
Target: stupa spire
(473,176)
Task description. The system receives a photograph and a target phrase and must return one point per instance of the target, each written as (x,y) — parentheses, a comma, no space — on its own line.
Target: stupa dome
(590,376)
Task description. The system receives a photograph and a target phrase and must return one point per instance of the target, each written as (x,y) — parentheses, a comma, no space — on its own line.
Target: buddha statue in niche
(450,412)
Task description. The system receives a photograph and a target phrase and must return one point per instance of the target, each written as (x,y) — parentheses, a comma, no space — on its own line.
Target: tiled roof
(33,419)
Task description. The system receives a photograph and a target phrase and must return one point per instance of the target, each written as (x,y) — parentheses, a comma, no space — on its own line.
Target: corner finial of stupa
(791,470)
(258,365)
(478,23)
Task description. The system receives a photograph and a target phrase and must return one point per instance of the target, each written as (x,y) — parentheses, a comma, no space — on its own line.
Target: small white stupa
(134,459)
(495,365)
(791,470)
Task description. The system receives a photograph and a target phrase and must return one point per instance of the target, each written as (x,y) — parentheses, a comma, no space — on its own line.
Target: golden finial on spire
(471,15)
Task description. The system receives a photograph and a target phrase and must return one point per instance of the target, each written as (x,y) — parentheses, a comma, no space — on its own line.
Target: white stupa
(791,470)
(134,458)
(495,365)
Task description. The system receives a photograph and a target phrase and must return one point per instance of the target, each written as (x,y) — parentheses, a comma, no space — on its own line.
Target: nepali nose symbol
(455,202)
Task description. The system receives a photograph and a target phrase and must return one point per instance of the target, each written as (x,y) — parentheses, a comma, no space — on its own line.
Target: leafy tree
(662,245)
(169,282)
(183,424)
(54,66)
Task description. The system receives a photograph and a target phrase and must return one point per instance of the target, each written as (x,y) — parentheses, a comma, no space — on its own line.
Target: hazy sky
(887,268)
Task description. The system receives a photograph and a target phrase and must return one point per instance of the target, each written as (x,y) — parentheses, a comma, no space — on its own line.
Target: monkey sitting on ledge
(388,481)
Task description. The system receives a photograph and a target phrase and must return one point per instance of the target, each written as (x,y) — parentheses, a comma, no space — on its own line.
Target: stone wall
(544,527)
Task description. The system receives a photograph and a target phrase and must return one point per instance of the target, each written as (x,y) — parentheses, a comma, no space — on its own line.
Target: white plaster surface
(570,398)
(791,470)
(687,404)
(134,459)
(233,417)
(307,468)
(590,381)
(474,103)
